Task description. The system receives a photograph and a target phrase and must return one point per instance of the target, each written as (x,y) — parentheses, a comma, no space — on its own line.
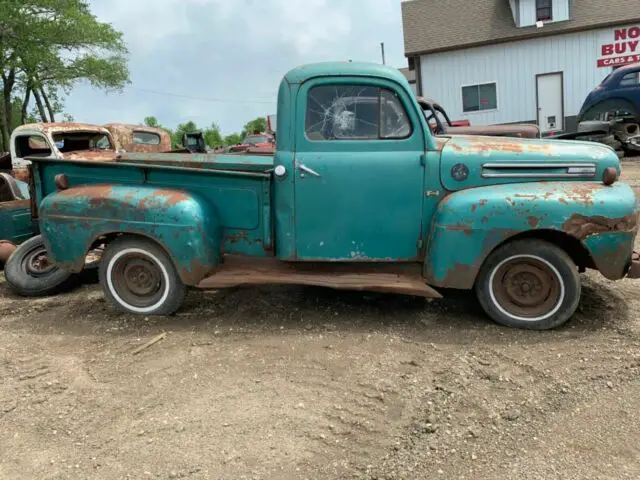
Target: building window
(355,112)
(476,98)
(544,10)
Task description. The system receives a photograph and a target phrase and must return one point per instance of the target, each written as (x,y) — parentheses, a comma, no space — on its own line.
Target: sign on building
(624,50)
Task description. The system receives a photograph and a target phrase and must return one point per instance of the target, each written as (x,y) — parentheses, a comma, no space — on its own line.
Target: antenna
(382,50)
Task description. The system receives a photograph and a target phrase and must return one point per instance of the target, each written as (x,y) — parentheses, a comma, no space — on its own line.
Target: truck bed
(235,190)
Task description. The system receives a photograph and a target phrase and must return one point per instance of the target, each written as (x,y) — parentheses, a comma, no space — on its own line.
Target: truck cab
(360,195)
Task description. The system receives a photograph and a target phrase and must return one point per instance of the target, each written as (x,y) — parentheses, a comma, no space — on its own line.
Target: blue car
(617,96)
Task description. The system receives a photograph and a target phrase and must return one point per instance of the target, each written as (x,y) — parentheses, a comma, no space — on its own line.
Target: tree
(213,137)
(232,139)
(257,125)
(46,46)
(152,122)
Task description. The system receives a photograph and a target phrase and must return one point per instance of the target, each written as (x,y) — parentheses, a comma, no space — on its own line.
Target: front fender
(184,225)
(470,224)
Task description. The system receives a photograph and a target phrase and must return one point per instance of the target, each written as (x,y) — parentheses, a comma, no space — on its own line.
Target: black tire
(132,263)
(529,284)
(28,273)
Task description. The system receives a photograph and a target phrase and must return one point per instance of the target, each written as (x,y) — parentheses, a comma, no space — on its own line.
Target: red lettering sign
(620,35)
(618,61)
(624,47)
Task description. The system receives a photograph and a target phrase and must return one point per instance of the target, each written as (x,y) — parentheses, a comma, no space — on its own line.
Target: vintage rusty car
(440,124)
(257,141)
(63,140)
(359,195)
(139,138)
(69,140)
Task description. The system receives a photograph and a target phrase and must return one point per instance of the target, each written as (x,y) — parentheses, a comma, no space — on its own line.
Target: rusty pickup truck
(359,195)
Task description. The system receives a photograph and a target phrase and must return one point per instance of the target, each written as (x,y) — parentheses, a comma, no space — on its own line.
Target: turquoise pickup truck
(359,195)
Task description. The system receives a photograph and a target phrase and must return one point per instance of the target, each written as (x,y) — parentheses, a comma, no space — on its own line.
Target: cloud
(233,50)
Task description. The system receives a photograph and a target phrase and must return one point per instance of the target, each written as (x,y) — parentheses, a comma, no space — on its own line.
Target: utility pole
(382,49)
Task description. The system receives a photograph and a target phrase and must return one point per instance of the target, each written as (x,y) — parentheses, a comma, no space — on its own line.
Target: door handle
(306,169)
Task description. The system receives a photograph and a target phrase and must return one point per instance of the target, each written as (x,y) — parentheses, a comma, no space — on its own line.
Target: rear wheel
(138,277)
(29,272)
(529,284)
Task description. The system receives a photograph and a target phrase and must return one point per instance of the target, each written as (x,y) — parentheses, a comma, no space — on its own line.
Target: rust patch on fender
(460,275)
(94,191)
(533,221)
(460,228)
(582,192)
(581,226)
(172,197)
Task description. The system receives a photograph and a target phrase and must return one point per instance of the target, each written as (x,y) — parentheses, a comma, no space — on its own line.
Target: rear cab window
(355,112)
(32,146)
(146,138)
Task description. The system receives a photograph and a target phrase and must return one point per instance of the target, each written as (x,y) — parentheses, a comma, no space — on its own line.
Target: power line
(204,99)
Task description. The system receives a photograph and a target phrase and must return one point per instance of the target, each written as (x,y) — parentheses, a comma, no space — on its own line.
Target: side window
(31,145)
(393,117)
(146,138)
(630,79)
(355,112)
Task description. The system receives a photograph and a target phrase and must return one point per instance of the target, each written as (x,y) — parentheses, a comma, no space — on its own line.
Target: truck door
(358,172)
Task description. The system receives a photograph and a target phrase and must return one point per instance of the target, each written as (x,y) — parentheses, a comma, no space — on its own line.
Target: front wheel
(529,284)
(138,277)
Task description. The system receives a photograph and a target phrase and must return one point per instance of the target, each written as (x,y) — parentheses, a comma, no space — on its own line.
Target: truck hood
(205,161)
(474,161)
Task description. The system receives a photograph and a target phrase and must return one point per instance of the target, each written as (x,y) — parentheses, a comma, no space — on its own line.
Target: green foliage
(46,46)
(213,137)
(257,125)
(232,139)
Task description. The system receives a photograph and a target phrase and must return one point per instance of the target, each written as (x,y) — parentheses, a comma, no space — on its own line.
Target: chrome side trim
(538,165)
(536,175)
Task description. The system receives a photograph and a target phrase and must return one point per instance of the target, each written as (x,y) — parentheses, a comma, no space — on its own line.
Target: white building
(507,61)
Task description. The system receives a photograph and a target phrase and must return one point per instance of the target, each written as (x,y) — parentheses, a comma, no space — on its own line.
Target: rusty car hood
(205,161)
(472,161)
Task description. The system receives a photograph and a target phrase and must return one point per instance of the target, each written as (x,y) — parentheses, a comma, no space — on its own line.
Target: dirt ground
(307,383)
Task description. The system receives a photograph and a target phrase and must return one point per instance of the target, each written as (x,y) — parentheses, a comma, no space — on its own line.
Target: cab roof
(304,73)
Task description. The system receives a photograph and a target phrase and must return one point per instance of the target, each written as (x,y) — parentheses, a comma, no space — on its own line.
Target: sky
(222,60)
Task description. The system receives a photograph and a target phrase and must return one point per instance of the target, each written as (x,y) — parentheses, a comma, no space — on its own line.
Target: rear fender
(470,224)
(184,225)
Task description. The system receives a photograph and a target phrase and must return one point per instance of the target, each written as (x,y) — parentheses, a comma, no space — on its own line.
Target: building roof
(434,26)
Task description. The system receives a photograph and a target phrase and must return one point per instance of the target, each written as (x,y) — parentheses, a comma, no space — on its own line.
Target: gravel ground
(297,382)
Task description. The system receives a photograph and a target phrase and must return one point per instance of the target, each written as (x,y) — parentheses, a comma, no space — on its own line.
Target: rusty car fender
(183,224)
(469,224)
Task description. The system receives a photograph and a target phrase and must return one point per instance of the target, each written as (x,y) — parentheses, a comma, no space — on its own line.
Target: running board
(393,278)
